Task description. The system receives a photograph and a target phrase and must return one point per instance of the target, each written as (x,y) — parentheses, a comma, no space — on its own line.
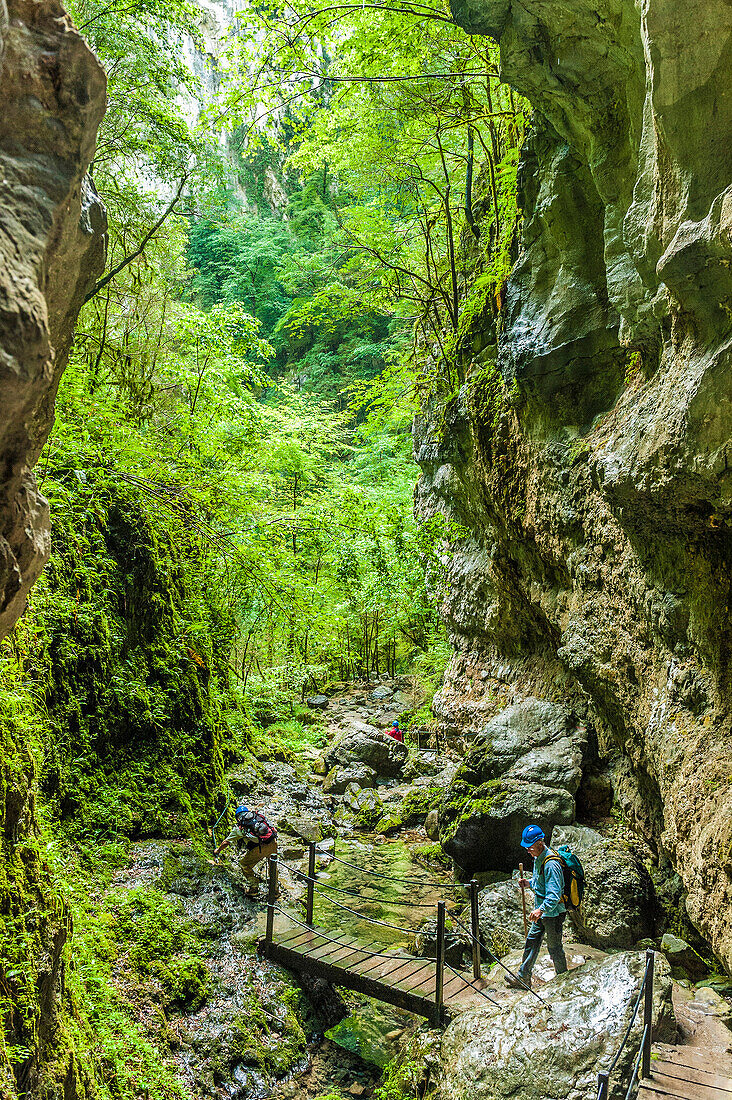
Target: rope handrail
(636,1067)
(478,940)
(629,1028)
(393,878)
(354,894)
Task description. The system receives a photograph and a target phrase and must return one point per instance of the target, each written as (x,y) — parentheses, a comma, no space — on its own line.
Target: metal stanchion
(440,961)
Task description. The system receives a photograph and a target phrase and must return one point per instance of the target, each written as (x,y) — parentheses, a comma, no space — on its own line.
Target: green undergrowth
(286,740)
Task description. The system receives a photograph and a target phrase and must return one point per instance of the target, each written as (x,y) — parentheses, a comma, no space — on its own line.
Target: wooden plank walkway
(400,980)
(681,1073)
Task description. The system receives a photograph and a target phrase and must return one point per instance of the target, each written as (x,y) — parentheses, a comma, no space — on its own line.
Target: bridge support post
(474,927)
(648,1016)
(271,897)
(440,963)
(603,1080)
(310,904)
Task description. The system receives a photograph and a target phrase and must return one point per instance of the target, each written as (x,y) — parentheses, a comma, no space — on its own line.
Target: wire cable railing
(643,1060)
(357,894)
(394,878)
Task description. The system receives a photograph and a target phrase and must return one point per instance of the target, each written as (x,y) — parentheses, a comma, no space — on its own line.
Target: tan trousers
(252,856)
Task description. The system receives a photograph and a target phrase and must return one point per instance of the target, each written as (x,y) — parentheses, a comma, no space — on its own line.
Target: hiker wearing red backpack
(258,839)
(549,912)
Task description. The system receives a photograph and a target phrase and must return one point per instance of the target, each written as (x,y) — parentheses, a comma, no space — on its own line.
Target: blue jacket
(548,887)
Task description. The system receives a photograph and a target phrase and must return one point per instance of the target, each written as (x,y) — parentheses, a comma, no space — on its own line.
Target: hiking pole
(523,899)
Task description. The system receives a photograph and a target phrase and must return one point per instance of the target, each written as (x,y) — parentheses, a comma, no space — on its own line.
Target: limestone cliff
(590,466)
(52,92)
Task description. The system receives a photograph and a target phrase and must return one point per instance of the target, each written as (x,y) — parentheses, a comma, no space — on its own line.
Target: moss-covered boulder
(481,826)
(524,767)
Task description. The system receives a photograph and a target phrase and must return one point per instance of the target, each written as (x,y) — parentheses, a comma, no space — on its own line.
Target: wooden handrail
(310,904)
(474,927)
(440,960)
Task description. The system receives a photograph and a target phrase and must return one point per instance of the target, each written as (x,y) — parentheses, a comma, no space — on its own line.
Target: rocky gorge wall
(587,458)
(52,227)
(52,248)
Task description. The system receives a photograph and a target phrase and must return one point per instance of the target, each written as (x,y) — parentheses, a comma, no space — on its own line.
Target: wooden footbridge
(432,988)
(428,987)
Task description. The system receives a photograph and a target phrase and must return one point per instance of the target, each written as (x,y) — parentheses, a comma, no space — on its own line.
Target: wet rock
(324,997)
(365,804)
(458,947)
(389,824)
(619,903)
(318,702)
(531,1051)
(500,916)
(431,825)
(338,778)
(360,743)
(308,830)
(682,957)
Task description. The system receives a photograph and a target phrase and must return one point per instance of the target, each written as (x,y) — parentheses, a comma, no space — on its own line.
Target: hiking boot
(517,983)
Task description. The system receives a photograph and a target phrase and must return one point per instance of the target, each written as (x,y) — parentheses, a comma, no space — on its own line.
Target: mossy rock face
(418,803)
(481,827)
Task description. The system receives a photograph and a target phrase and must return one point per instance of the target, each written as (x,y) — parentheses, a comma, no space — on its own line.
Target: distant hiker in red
(395,732)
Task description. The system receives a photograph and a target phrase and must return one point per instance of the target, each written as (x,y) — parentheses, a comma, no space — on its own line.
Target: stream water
(389,886)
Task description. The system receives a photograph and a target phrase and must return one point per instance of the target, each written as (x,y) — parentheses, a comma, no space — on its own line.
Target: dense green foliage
(293,268)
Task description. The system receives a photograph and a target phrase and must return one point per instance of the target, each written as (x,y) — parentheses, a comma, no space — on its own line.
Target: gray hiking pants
(553,928)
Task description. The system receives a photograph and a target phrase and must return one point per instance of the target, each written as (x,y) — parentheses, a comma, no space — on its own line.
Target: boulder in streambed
(682,958)
(500,916)
(458,946)
(524,767)
(619,903)
(557,1050)
(338,778)
(318,702)
(360,743)
(481,826)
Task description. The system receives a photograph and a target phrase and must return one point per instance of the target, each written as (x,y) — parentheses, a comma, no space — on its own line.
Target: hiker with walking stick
(549,912)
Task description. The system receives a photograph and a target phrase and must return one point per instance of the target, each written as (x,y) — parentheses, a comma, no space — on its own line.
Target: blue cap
(395,723)
(530,835)
(240,810)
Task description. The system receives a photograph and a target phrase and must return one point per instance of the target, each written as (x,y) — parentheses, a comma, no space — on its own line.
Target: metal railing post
(474,927)
(440,961)
(311,885)
(648,1016)
(271,896)
(602,1085)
